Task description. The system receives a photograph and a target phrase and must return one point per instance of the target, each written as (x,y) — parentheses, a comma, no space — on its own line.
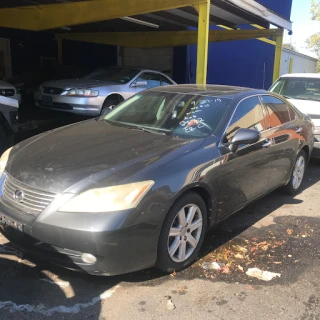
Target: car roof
(301,75)
(207,90)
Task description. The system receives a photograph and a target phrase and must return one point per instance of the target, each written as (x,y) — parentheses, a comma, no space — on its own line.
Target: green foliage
(315,10)
(289,46)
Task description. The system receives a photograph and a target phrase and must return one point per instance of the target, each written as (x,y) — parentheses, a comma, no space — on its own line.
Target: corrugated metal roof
(222,12)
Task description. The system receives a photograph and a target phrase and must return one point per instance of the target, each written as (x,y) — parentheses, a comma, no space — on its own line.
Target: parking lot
(278,233)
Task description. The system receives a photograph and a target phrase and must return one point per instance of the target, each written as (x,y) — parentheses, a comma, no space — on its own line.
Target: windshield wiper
(149,130)
(287,97)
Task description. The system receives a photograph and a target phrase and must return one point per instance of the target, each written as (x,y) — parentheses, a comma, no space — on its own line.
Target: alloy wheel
(185,233)
(298,172)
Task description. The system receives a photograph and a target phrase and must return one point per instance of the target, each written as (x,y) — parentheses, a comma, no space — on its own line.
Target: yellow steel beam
(158,39)
(203,41)
(277,56)
(256,26)
(43,17)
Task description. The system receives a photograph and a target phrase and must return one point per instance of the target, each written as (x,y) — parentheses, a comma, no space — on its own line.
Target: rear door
(245,173)
(284,131)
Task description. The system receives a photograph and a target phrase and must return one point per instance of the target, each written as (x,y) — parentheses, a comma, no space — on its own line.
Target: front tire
(182,233)
(109,104)
(294,185)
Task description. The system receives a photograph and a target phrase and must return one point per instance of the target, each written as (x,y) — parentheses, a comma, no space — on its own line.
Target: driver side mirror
(243,136)
(139,84)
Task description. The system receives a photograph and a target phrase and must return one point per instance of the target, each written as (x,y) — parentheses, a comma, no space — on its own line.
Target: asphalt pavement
(279,234)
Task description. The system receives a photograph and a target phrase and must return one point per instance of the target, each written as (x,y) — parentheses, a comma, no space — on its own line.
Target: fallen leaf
(253,249)
(181,289)
(277,262)
(262,243)
(226,270)
(265,248)
(238,256)
(255,239)
(289,231)
(250,287)
(173,274)
(240,268)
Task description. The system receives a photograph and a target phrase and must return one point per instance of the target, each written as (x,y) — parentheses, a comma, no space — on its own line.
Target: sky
(303,26)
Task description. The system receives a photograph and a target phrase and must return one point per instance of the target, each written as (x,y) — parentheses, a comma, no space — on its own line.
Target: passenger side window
(152,79)
(248,115)
(165,81)
(277,111)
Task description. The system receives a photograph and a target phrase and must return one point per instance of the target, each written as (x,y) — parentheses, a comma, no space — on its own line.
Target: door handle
(299,130)
(267,144)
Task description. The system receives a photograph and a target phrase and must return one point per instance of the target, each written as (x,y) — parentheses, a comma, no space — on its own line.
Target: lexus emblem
(18,195)
(51,91)
(3,92)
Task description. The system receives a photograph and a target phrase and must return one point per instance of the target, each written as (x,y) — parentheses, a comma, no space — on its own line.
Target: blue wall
(281,7)
(247,63)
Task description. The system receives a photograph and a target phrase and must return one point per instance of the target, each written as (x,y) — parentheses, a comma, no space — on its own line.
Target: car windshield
(117,75)
(182,115)
(298,88)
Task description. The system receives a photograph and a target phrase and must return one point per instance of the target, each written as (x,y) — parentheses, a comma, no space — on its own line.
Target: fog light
(88,258)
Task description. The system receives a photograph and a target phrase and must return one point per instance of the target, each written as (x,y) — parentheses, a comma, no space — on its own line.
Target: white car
(9,91)
(303,91)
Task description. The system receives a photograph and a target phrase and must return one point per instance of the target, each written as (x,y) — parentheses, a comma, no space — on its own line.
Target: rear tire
(294,185)
(182,233)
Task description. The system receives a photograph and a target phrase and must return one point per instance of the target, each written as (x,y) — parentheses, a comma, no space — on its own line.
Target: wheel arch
(114,96)
(206,194)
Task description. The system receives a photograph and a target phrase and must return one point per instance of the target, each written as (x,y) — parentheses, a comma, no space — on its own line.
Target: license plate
(47,100)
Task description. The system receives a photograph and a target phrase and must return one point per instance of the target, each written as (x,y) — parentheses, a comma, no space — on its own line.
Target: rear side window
(277,111)
(165,81)
(292,114)
(248,115)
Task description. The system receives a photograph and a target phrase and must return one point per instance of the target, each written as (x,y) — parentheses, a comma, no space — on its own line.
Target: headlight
(83,93)
(116,198)
(3,160)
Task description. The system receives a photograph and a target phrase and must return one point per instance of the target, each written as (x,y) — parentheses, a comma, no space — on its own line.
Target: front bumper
(89,106)
(122,242)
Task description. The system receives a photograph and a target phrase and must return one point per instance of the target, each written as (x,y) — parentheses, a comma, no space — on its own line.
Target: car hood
(71,158)
(77,83)
(309,107)
(5,85)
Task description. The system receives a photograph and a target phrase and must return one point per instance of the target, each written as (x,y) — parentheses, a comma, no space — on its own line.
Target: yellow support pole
(290,65)
(60,55)
(277,56)
(203,40)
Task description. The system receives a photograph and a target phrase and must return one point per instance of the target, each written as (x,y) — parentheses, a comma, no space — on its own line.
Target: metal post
(277,56)
(290,65)
(203,37)
(60,54)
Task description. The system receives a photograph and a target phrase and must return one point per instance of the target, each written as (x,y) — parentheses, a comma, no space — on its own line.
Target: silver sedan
(97,91)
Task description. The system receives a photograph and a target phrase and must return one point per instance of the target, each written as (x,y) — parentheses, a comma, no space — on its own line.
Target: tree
(313,42)
(289,46)
(315,10)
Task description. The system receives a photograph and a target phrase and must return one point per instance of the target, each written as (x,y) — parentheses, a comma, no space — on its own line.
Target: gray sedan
(99,90)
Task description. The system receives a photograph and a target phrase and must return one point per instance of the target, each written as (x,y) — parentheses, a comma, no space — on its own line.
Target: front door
(145,80)
(244,173)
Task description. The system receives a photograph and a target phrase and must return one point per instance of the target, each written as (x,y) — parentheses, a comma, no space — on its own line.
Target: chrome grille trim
(34,200)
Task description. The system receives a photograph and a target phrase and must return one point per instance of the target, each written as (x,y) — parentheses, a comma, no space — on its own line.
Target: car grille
(51,90)
(7,92)
(25,198)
